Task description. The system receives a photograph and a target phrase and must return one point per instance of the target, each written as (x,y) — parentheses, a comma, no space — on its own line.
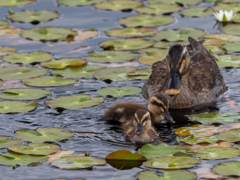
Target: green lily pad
(162,149)
(1,82)
(78,2)
(28,58)
(78,72)
(215,117)
(4,24)
(74,101)
(216,49)
(48,81)
(15,73)
(6,50)
(131,32)
(231,168)
(111,56)
(183,2)
(63,63)
(226,7)
(114,74)
(221,36)
(140,74)
(171,162)
(35,149)
(232,46)
(230,60)
(16,106)
(9,159)
(159,9)
(216,152)
(146,20)
(24,94)
(178,34)
(48,34)
(232,135)
(197,12)
(5,143)
(166,174)
(152,55)
(232,29)
(29,16)
(119,91)
(192,140)
(15,2)
(126,44)
(77,162)
(41,135)
(118,5)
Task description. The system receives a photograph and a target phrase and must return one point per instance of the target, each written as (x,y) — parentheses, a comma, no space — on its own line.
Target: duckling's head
(178,60)
(158,105)
(142,121)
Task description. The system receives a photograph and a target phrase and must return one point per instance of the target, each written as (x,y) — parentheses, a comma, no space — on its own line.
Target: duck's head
(158,105)
(142,121)
(178,60)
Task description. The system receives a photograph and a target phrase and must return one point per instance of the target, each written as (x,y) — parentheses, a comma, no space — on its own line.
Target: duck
(188,77)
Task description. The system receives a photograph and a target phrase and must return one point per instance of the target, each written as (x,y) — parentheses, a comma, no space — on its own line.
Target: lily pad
(216,152)
(226,7)
(15,2)
(232,135)
(78,72)
(63,63)
(146,20)
(216,49)
(172,162)
(6,50)
(215,117)
(111,56)
(48,81)
(15,73)
(159,8)
(221,36)
(30,16)
(126,44)
(9,158)
(166,174)
(74,101)
(4,24)
(41,135)
(48,34)
(118,5)
(192,140)
(152,55)
(83,34)
(232,29)
(140,74)
(77,162)
(28,58)
(78,2)
(24,94)
(119,91)
(183,2)
(232,46)
(197,12)
(230,60)
(162,149)
(5,143)
(1,82)
(231,168)
(131,32)
(178,34)
(16,106)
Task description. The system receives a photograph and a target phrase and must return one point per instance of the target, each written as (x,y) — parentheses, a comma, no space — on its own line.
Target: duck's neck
(156,118)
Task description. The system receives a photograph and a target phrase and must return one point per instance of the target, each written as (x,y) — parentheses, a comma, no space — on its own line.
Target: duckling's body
(187,77)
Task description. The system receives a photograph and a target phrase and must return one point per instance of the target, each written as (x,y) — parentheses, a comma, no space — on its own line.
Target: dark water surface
(91,135)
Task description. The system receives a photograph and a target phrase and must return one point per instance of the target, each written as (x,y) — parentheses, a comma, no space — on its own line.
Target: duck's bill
(168,117)
(172,92)
(139,129)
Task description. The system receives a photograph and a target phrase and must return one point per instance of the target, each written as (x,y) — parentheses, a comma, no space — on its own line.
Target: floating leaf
(232,135)
(178,34)
(183,2)
(216,152)
(171,162)
(74,101)
(146,20)
(162,149)
(28,58)
(15,2)
(221,36)
(24,94)
(9,158)
(197,12)
(119,91)
(118,5)
(5,143)
(230,60)
(233,29)
(6,50)
(216,49)
(218,144)
(140,74)
(78,72)
(227,7)
(4,24)
(159,9)
(231,168)
(41,135)
(232,46)
(16,106)
(126,44)
(192,140)
(166,174)
(214,42)
(215,117)
(47,81)
(63,63)
(131,32)
(77,162)
(15,73)
(58,155)
(152,55)
(29,16)
(84,34)
(48,34)
(1,82)
(111,56)
(78,2)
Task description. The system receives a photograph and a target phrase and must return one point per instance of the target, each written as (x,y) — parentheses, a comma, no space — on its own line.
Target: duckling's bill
(168,117)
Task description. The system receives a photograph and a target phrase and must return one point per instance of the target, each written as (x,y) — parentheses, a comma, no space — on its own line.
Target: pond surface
(97,137)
